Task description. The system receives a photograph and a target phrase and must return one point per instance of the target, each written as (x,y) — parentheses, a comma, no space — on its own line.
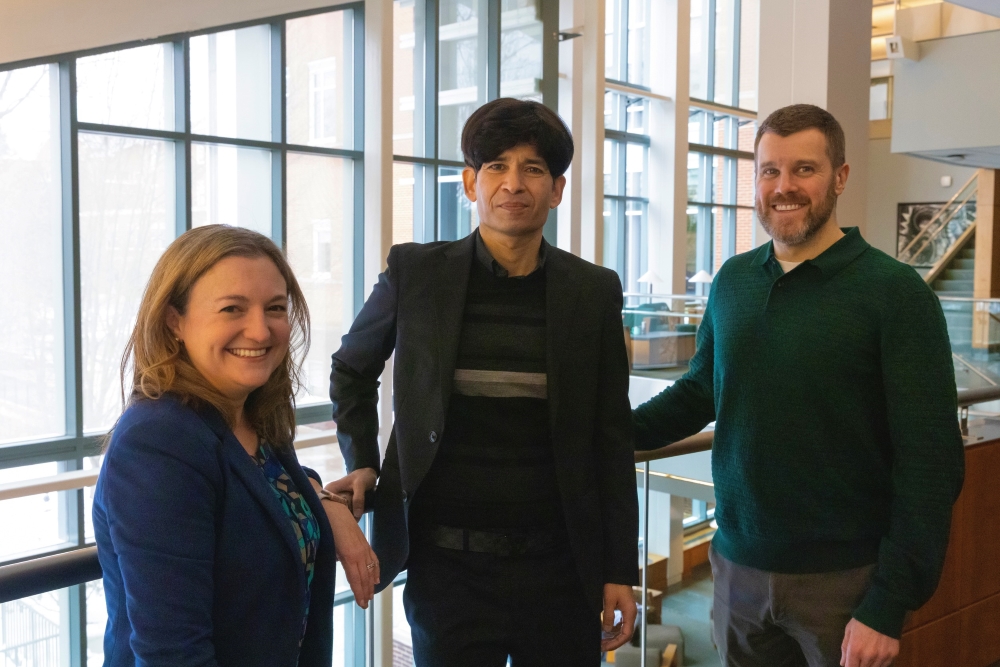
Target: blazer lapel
(253,479)
(450,291)
(561,296)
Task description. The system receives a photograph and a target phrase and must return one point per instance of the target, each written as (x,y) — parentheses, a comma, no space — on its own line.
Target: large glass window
(724,36)
(469,52)
(626,188)
(32,388)
(104,160)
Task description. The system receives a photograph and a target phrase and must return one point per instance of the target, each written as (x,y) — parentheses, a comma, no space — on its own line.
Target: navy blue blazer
(201,565)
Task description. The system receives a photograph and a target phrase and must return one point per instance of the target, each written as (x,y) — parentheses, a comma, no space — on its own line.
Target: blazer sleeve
(358,364)
(159,486)
(619,503)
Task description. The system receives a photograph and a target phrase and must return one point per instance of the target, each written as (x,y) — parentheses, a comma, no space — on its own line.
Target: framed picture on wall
(926,233)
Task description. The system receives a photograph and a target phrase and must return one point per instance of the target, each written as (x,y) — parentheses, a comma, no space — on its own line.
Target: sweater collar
(831,260)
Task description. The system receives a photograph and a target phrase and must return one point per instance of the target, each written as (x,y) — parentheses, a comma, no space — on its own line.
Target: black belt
(501,544)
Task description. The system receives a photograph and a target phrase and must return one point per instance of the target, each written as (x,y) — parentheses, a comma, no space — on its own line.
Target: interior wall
(39,28)
(895,179)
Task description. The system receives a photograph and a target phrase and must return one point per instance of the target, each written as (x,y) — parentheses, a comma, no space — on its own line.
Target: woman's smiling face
(235,328)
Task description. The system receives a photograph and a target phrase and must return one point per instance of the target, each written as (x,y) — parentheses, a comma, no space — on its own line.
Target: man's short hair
(798,117)
(504,123)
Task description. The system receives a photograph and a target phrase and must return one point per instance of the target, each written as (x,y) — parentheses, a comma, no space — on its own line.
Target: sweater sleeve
(687,406)
(927,460)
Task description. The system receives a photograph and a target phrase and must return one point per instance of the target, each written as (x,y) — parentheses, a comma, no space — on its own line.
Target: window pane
(700,42)
(635,170)
(746,135)
(134,87)
(457,216)
(406,72)
(612,39)
(612,171)
(32,524)
(880,95)
(97,622)
(126,221)
(690,253)
(638,42)
(719,179)
(749,40)
(635,241)
(462,74)
(722,226)
(326,460)
(744,230)
(33,632)
(744,183)
(231,83)
(635,115)
(231,186)
(403,186)
(320,247)
(697,121)
(520,50)
(724,16)
(320,77)
(614,238)
(32,402)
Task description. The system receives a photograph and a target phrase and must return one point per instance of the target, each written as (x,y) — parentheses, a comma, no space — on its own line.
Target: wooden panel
(980,524)
(694,557)
(980,633)
(933,645)
(947,597)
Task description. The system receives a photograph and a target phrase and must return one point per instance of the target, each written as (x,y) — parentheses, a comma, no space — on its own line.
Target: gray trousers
(766,619)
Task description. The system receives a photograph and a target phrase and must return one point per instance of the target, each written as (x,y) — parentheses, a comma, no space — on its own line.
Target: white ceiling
(982,156)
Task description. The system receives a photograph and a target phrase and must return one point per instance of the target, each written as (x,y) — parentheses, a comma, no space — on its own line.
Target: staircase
(956,280)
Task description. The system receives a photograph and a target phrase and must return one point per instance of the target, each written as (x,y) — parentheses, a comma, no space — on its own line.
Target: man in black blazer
(508,486)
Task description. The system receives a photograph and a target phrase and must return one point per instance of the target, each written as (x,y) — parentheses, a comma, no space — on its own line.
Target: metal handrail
(926,230)
(48,573)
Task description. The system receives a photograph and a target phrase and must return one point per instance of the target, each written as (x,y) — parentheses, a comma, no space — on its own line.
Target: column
(670,21)
(819,52)
(570,106)
(986,277)
(590,142)
(378,235)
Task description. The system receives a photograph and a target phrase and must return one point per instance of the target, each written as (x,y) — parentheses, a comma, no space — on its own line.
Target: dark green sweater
(836,439)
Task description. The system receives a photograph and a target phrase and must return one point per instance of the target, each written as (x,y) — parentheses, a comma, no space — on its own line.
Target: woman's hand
(354,553)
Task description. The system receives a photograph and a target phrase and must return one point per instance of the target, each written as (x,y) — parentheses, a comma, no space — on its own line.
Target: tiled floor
(688,607)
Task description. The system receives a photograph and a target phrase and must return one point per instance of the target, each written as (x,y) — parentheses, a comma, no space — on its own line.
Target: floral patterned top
(299,513)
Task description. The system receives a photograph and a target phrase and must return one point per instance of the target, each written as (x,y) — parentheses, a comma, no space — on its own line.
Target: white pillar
(591,139)
(378,231)
(570,108)
(670,21)
(818,52)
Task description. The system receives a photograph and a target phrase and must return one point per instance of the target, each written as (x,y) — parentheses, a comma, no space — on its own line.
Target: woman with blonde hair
(218,548)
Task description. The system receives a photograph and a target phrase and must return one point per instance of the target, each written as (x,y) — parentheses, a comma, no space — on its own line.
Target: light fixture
(702,276)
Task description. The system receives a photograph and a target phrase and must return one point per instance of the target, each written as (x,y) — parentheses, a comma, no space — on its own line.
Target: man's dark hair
(504,123)
(798,117)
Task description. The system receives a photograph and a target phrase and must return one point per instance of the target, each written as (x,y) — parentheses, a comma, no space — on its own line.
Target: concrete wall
(950,98)
(895,179)
(38,28)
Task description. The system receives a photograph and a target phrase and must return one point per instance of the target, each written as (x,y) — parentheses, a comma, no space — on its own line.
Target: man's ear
(842,174)
(469,183)
(558,186)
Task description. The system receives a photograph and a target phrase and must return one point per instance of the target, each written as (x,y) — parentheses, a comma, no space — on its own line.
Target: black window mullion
(182,147)
(279,156)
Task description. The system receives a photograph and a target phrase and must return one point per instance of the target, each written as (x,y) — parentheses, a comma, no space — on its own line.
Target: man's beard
(815,217)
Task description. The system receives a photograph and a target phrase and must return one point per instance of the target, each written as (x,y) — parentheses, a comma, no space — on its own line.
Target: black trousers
(469,609)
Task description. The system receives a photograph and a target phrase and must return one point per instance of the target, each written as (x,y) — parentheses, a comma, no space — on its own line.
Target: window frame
(70,449)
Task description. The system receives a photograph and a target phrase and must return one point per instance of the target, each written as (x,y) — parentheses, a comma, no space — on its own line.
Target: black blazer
(416,310)
(201,564)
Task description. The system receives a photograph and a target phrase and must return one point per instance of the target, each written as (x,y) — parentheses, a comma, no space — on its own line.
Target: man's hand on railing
(355,485)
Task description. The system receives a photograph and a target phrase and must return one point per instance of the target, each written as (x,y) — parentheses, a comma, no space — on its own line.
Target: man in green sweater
(826,366)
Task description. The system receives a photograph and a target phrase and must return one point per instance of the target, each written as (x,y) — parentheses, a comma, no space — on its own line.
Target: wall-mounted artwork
(923,236)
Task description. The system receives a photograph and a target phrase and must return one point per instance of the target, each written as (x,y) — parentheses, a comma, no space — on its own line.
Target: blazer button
(433,437)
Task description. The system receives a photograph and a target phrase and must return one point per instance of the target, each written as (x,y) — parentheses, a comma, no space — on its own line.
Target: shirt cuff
(880,612)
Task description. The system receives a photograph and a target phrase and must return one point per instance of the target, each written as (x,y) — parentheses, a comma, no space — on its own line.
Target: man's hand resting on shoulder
(355,485)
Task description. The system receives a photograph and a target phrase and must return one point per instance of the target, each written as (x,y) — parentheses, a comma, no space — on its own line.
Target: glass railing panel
(660,332)
(927,233)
